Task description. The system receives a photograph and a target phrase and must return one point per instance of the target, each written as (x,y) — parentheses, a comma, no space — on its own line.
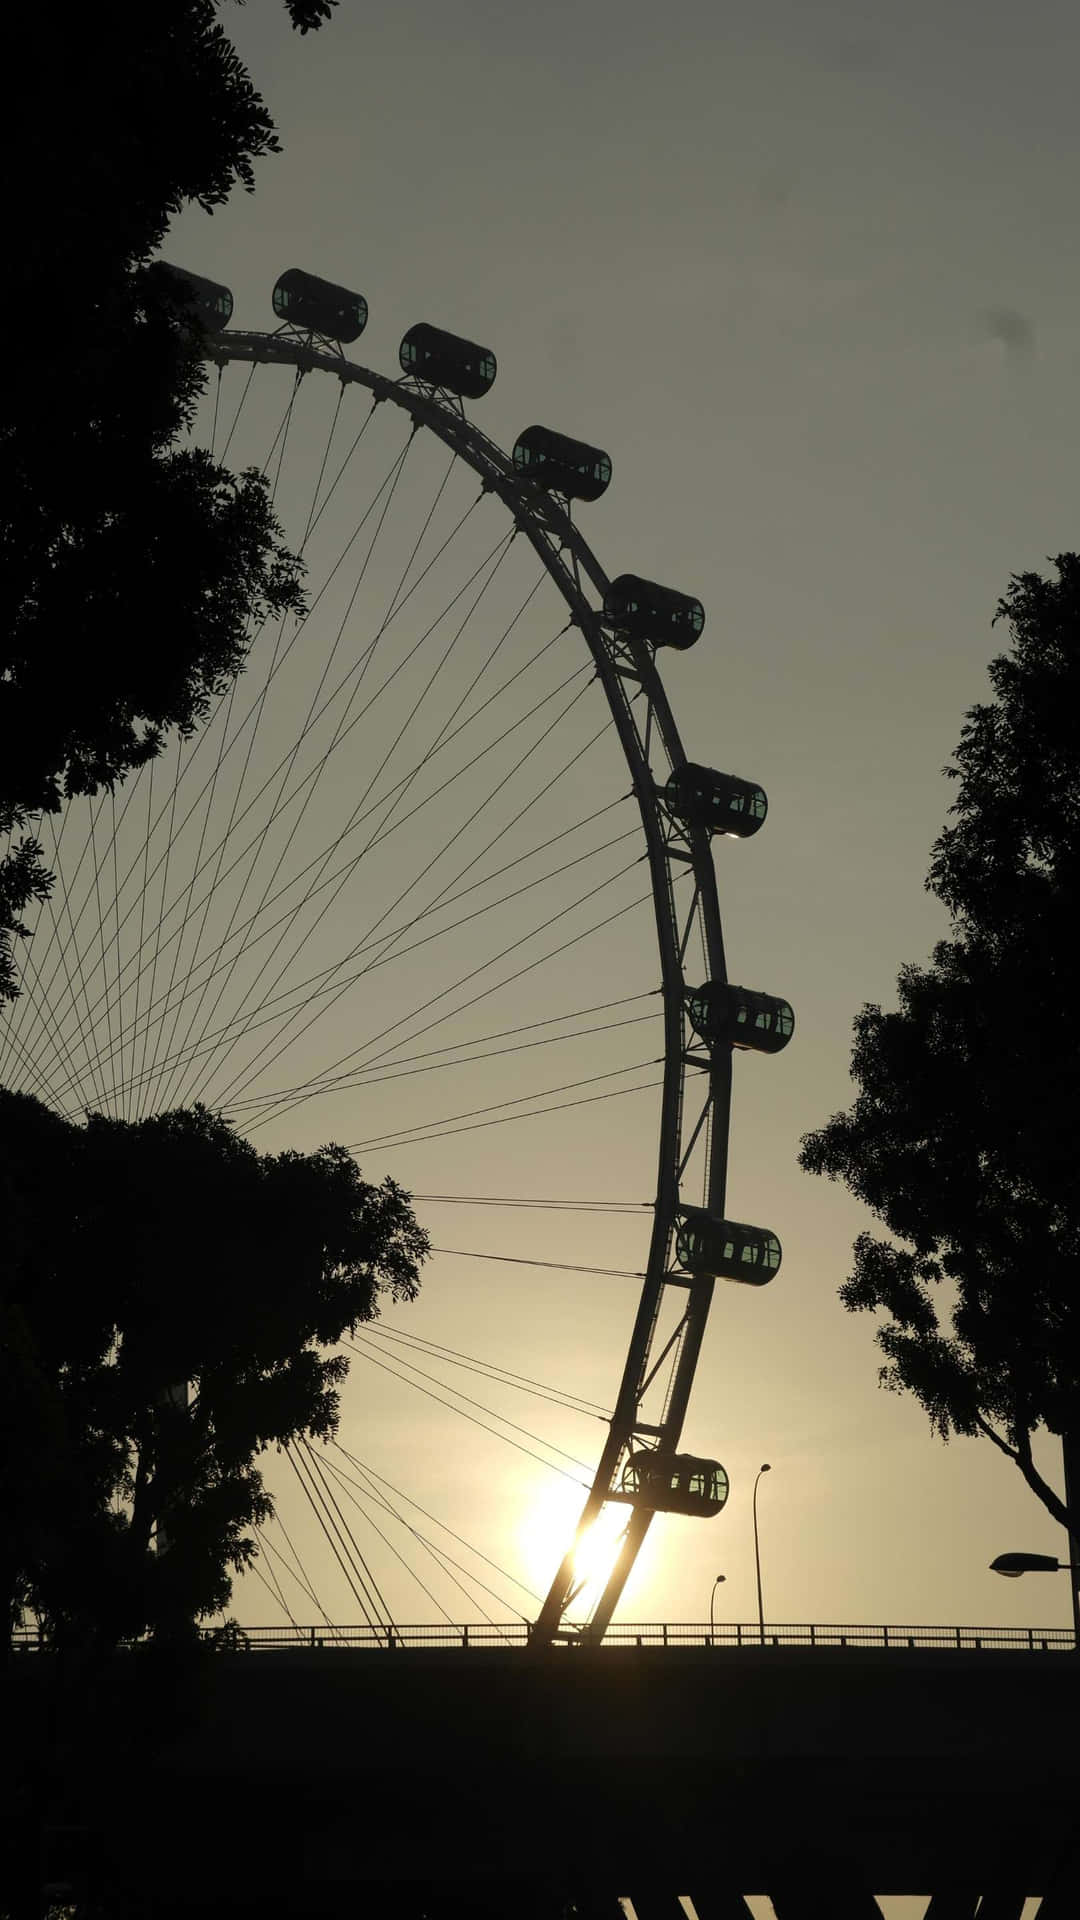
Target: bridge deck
(324,1773)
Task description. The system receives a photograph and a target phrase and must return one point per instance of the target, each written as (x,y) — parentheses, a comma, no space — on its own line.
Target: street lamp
(1012,1565)
(764,1468)
(712,1600)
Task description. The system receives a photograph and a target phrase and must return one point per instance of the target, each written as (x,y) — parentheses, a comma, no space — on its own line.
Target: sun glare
(597,1551)
(548,1530)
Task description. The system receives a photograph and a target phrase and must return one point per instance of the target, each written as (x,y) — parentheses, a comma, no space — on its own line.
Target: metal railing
(651,1634)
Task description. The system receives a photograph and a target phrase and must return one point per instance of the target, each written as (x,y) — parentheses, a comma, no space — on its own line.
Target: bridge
(420,1780)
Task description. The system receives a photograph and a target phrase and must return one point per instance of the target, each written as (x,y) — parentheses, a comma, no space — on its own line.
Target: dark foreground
(342,1783)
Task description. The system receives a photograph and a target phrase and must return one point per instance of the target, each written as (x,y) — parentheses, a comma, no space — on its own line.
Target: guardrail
(665,1634)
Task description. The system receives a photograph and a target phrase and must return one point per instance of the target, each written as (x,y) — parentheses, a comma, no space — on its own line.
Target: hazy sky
(810,275)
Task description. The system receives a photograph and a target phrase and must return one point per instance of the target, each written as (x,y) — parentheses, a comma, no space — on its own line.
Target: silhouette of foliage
(962,1136)
(308,15)
(131,569)
(139,1255)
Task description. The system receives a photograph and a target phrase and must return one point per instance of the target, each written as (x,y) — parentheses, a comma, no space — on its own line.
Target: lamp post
(1070,1448)
(764,1468)
(712,1599)
(1012,1565)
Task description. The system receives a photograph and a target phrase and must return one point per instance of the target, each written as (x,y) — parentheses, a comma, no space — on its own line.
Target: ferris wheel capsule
(446,360)
(674,1483)
(561,465)
(647,611)
(213,303)
(757,1022)
(319,306)
(719,802)
(711,1248)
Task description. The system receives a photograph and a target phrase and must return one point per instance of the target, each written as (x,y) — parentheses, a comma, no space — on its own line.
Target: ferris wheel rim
(553,534)
(631,683)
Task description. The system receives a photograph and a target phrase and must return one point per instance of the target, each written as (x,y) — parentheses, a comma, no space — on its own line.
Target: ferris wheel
(402,815)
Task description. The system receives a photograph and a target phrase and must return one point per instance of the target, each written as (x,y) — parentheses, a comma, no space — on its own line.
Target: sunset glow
(547,1529)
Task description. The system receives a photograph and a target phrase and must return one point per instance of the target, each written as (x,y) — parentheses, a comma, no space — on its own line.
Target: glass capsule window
(725,1249)
(719,802)
(756,1022)
(304,301)
(647,611)
(599,470)
(752,803)
(579,471)
(212,302)
(759,1252)
(676,1483)
(446,360)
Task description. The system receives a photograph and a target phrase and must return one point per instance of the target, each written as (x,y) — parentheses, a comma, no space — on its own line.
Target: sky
(810,275)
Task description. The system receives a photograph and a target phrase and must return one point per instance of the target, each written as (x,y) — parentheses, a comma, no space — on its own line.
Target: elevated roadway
(334,1782)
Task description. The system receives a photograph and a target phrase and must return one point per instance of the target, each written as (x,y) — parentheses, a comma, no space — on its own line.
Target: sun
(546,1531)
(596,1554)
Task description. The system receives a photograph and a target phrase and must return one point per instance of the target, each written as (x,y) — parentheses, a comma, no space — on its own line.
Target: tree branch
(985,1427)
(1020,1455)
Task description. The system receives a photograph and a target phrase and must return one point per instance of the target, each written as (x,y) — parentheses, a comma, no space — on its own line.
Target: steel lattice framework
(696,1098)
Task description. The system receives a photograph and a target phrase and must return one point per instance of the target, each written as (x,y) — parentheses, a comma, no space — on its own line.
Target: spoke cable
(626,1207)
(204,735)
(274,1590)
(319,1504)
(519,1100)
(500,1376)
(398,1070)
(298,790)
(472,974)
(551,1465)
(347,1486)
(482,1039)
(275,807)
(493,1411)
(321,1083)
(158,925)
(236,416)
(399,468)
(287,887)
(507,1120)
(401,1495)
(302,1578)
(443,1560)
(243,1078)
(191,888)
(563,1266)
(373,840)
(317,1466)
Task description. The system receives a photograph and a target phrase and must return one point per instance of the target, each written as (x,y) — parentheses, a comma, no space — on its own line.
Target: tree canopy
(132,568)
(143,1254)
(962,1136)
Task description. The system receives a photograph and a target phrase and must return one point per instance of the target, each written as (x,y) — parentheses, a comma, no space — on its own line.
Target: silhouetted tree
(140,1255)
(962,1138)
(131,569)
